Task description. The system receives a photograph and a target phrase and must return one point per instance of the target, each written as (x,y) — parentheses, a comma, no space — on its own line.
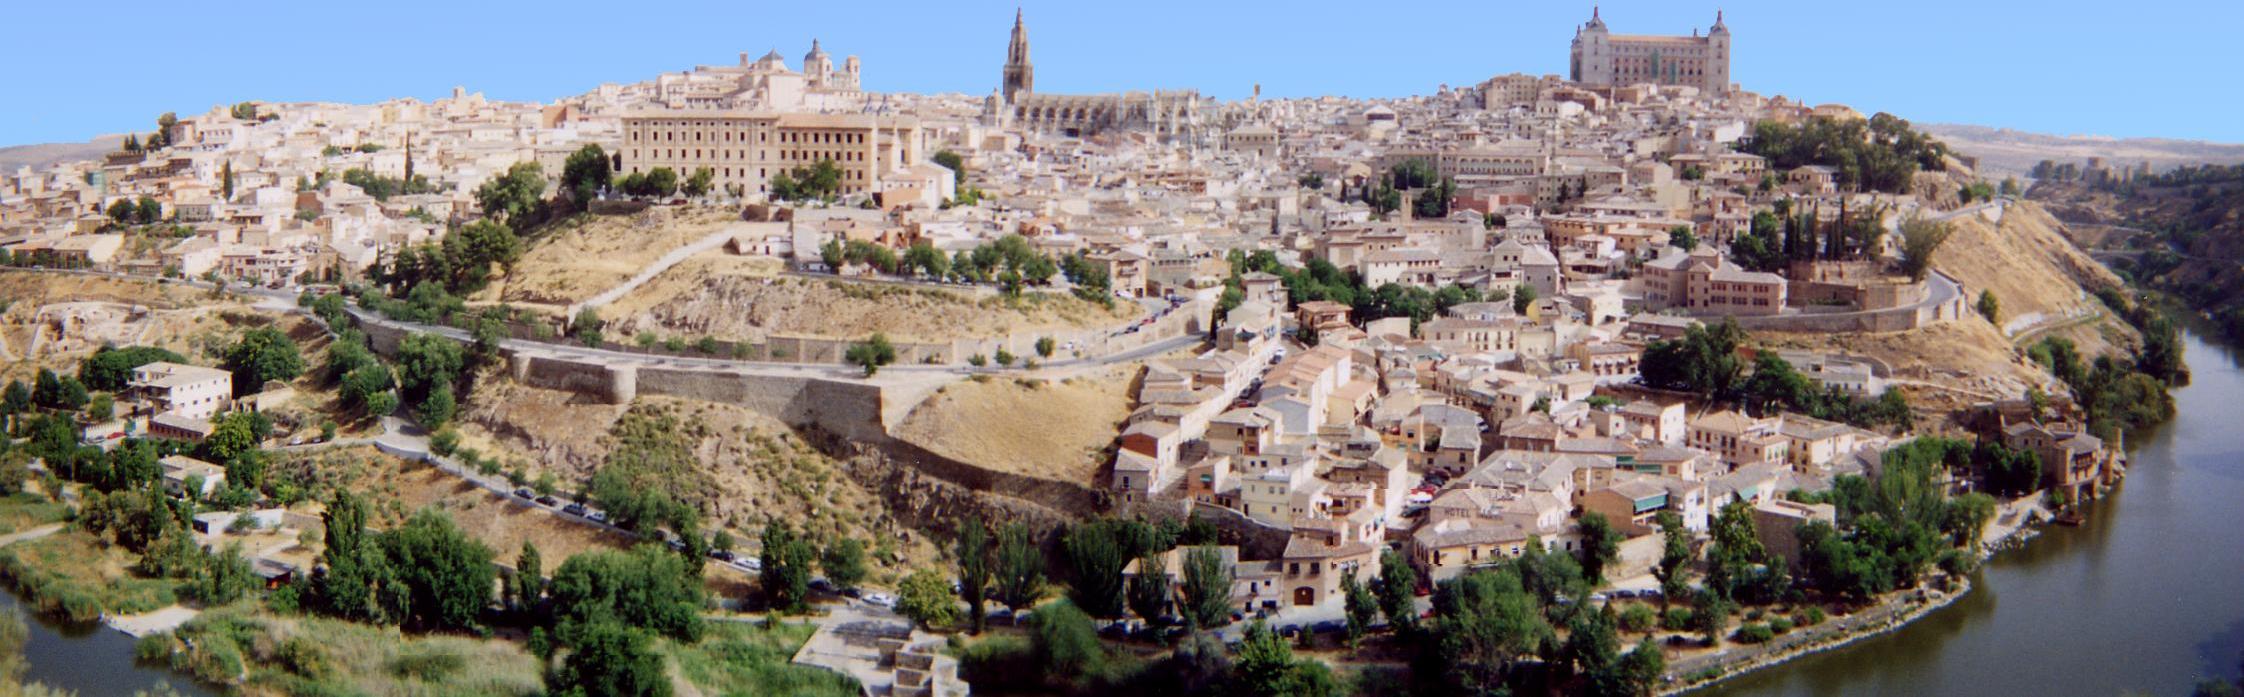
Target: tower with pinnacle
(1020,76)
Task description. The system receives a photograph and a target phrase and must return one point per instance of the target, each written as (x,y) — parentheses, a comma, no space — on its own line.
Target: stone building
(746,149)
(1601,57)
(1161,112)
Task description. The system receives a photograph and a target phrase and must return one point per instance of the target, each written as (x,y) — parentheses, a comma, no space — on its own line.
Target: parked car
(598,516)
(751,563)
(525,493)
(881,599)
(548,501)
(822,585)
(1328,626)
(575,509)
(1624,593)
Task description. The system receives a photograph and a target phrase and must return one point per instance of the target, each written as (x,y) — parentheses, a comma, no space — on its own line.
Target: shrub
(1753,633)
(1809,617)
(977,360)
(427,665)
(1780,625)
(1677,619)
(305,657)
(1639,618)
(446,442)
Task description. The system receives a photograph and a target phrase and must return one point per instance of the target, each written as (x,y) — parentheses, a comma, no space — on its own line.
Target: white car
(881,599)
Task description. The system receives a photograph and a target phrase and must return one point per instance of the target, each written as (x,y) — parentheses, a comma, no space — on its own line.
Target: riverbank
(2014,523)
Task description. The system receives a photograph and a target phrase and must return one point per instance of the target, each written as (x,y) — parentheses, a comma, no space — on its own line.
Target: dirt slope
(1051,430)
(701,298)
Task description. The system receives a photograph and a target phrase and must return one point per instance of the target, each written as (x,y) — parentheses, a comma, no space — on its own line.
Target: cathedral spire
(1019,75)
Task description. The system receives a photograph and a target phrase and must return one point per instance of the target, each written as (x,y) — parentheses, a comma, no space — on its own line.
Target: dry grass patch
(1057,430)
(707,296)
(578,257)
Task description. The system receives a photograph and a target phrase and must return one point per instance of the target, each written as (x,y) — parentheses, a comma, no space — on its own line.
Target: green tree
(662,181)
(1522,298)
(925,598)
(436,410)
(1920,238)
(1601,545)
(110,368)
(1989,307)
(1360,607)
(786,571)
(1681,236)
(585,173)
(871,353)
(1675,555)
(952,161)
(447,575)
(973,552)
(1096,554)
(697,184)
(1044,347)
(225,576)
(427,362)
(1207,588)
(1267,666)
(513,197)
(647,587)
(610,659)
(844,562)
(1019,568)
(1397,588)
(1149,592)
(1710,615)
(356,565)
(262,354)
(529,576)
(1484,623)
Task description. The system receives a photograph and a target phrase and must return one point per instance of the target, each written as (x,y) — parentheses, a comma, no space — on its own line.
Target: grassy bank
(737,658)
(263,653)
(71,575)
(24,511)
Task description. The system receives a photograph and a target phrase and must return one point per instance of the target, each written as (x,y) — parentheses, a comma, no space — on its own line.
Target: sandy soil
(1054,430)
(576,258)
(702,297)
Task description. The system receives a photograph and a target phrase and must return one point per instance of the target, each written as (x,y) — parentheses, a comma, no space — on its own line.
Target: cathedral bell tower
(1019,75)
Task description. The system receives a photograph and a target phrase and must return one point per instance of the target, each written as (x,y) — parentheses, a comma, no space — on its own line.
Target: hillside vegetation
(2187,234)
(695,299)
(572,259)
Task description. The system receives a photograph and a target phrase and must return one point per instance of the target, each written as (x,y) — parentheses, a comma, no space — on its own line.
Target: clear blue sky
(79,69)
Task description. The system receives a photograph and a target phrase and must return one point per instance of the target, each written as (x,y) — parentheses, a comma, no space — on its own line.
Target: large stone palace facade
(1601,57)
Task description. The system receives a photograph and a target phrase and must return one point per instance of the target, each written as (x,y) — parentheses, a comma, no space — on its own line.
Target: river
(2147,597)
(90,659)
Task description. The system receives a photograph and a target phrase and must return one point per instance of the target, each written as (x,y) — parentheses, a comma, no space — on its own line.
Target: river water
(90,659)
(2147,597)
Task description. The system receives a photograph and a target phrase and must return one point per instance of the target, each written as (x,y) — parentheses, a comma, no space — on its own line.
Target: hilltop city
(1610,382)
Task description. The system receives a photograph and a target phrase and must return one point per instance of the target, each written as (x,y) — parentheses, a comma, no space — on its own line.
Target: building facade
(745,149)
(1601,57)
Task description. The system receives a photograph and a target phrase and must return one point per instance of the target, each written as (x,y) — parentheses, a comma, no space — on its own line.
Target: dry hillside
(2026,260)
(1051,430)
(576,258)
(395,489)
(748,469)
(698,298)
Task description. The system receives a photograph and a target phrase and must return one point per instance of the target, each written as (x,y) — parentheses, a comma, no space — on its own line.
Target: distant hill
(2003,151)
(44,155)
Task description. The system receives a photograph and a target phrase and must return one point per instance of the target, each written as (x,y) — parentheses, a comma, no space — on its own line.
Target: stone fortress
(1601,57)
